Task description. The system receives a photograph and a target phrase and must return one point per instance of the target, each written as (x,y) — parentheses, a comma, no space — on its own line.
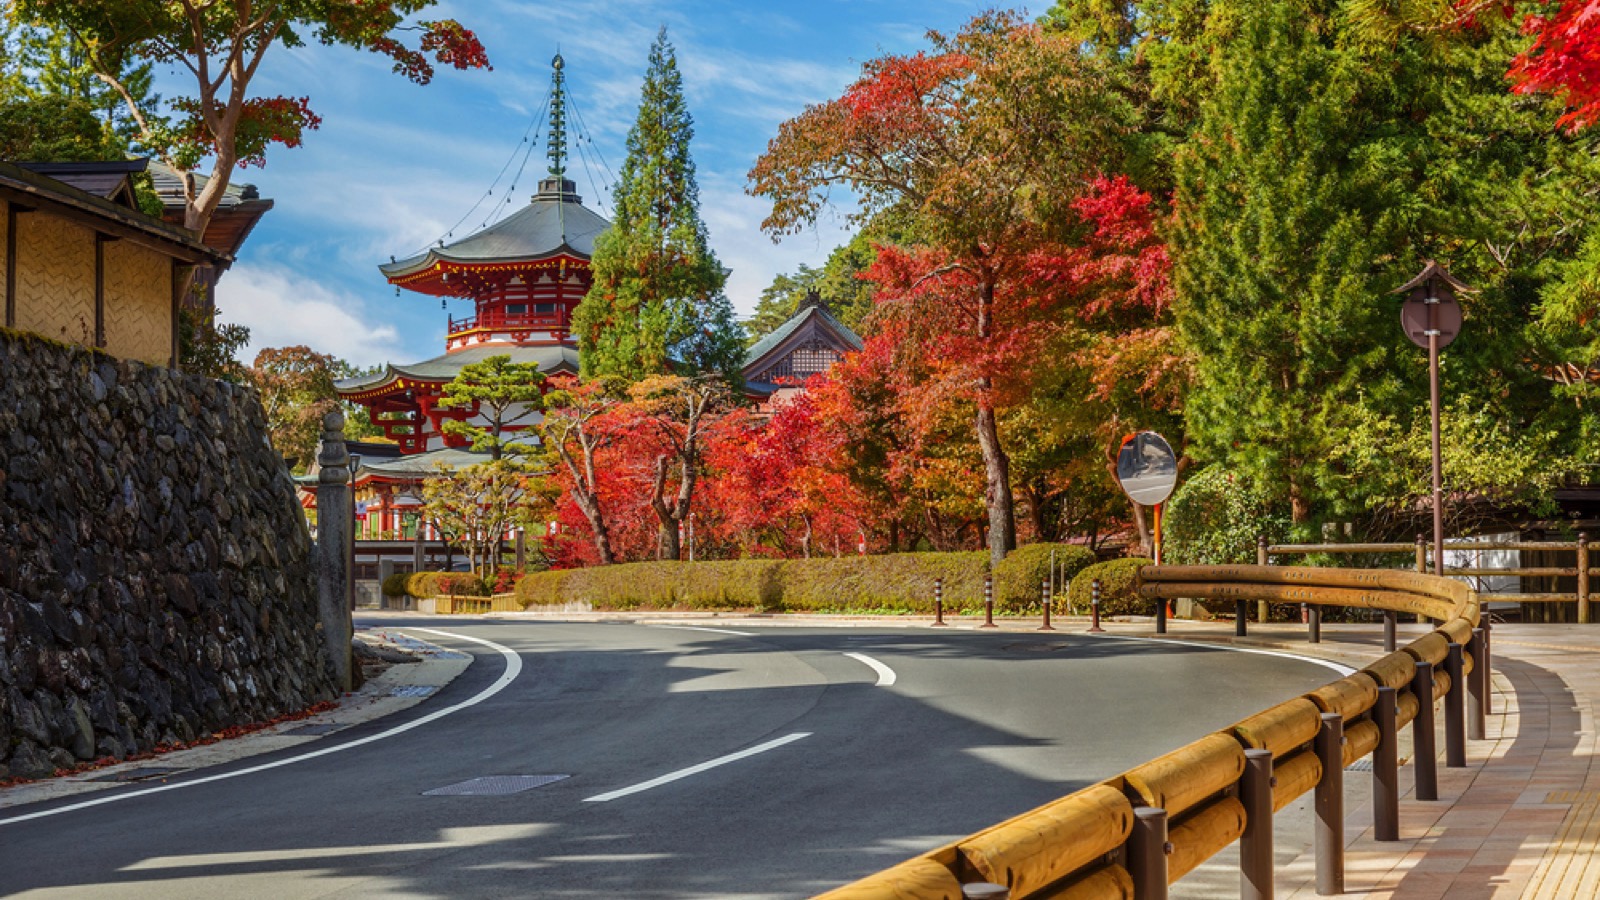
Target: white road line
(885,674)
(712,630)
(513,669)
(695,770)
(1337,667)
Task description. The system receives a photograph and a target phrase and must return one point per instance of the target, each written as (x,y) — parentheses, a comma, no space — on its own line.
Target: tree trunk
(1002,538)
(667,546)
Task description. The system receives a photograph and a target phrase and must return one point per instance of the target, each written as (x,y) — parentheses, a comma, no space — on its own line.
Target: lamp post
(1431,318)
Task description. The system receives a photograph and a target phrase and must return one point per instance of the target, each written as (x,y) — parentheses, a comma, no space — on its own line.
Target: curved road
(697,763)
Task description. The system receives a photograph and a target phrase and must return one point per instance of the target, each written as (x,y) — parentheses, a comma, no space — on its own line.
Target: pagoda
(524,275)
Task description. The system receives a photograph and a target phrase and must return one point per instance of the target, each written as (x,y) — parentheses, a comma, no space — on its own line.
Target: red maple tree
(1564,59)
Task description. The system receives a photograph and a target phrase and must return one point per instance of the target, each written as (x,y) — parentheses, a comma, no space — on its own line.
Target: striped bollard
(938,603)
(1044,598)
(988,602)
(1094,608)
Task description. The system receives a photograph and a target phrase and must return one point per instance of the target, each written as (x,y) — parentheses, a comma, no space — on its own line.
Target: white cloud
(283,308)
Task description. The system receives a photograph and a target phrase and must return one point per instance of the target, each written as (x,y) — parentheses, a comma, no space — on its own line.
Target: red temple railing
(499,321)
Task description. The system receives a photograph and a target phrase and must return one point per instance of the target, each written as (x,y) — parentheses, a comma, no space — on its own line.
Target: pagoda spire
(558,119)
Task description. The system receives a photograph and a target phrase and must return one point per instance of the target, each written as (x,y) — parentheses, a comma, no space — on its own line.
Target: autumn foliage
(1564,59)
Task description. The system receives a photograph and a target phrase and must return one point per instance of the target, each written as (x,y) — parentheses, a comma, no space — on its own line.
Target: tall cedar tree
(982,144)
(220,44)
(657,303)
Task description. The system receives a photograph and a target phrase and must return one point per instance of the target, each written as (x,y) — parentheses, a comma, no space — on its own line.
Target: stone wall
(156,577)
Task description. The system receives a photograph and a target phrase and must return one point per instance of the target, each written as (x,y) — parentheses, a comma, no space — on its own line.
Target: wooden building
(87,267)
(808,344)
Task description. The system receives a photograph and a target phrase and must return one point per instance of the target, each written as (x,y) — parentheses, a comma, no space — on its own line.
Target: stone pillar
(335,547)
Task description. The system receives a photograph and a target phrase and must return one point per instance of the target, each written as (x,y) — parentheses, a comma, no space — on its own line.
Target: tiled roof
(780,334)
(550,358)
(553,222)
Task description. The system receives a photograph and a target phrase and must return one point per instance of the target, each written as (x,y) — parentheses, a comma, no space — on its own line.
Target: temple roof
(550,358)
(422,464)
(808,312)
(554,223)
(237,213)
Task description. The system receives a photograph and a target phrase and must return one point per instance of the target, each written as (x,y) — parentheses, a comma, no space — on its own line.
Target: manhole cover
(1031,648)
(319,728)
(413,690)
(494,786)
(143,773)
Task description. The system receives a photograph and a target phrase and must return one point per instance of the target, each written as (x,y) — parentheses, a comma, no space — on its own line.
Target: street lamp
(1431,318)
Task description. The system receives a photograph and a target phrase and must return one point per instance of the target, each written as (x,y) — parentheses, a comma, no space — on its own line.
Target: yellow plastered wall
(138,302)
(55,278)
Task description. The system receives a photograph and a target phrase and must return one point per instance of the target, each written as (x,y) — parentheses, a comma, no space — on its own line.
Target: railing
(1580,549)
(1137,833)
(499,322)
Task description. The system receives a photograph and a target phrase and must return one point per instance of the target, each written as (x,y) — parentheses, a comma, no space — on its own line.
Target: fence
(1137,833)
(1579,549)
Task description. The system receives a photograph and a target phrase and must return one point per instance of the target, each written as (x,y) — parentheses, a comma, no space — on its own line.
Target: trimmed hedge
(437,584)
(395,585)
(889,583)
(724,584)
(1020,575)
(1119,581)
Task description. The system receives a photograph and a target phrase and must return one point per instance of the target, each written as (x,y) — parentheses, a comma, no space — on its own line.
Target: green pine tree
(657,303)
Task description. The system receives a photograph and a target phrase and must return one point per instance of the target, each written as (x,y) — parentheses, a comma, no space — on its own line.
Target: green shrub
(742,584)
(1215,518)
(395,585)
(889,583)
(1118,588)
(1020,575)
(423,585)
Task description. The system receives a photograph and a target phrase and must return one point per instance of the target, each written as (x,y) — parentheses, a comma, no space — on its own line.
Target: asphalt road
(821,771)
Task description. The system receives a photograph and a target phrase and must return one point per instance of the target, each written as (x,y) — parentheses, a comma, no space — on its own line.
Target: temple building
(809,343)
(524,275)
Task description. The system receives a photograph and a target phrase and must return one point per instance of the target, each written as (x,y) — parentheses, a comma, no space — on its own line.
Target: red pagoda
(525,274)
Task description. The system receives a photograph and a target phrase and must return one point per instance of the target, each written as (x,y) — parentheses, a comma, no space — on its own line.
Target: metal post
(1455,712)
(1477,687)
(1328,836)
(1425,752)
(1390,620)
(335,547)
(938,603)
(1438,467)
(1161,615)
(1583,578)
(1147,853)
(988,602)
(1255,845)
(1045,598)
(1314,624)
(1094,607)
(1386,769)
(1241,613)
(1053,582)
(1261,560)
(1488,665)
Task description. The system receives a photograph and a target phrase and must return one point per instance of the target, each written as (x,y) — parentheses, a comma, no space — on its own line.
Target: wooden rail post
(1455,711)
(1261,560)
(1583,578)
(1328,838)
(1147,853)
(1422,569)
(1425,752)
(1255,845)
(1386,769)
(1477,685)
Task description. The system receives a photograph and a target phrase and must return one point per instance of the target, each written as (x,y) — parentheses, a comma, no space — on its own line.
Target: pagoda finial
(558,121)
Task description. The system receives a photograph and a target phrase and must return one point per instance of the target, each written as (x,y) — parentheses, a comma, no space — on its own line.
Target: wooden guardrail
(1134,834)
(1580,570)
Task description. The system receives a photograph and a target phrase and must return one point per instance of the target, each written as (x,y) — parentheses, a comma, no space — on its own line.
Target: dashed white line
(695,770)
(886,675)
(513,669)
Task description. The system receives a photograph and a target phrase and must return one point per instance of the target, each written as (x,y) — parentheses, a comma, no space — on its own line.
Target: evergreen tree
(657,301)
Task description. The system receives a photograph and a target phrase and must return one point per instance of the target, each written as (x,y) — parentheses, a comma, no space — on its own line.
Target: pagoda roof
(554,223)
(550,358)
(422,465)
(809,312)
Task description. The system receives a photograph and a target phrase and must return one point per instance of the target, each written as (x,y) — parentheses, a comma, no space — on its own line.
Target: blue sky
(394,165)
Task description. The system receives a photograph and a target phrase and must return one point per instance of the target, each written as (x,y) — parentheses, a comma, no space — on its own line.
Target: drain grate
(144,773)
(494,786)
(1364,764)
(413,690)
(316,728)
